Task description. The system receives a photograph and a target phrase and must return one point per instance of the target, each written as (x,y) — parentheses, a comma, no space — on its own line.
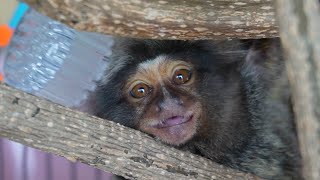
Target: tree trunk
(178,19)
(300,33)
(103,144)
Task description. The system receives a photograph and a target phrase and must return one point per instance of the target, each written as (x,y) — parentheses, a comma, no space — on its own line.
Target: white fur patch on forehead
(155,72)
(153,69)
(153,63)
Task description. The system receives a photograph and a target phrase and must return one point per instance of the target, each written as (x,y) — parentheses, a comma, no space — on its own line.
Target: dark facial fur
(224,112)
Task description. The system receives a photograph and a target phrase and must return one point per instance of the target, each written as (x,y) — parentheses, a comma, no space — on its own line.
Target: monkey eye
(140,90)
(181,76)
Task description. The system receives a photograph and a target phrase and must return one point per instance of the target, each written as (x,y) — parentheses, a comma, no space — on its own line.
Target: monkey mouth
(175,128)
(173,121)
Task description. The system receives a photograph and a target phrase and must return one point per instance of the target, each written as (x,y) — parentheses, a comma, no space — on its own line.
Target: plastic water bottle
(50,60)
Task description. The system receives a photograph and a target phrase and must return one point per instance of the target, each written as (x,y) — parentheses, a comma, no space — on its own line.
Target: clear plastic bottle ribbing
(51,60)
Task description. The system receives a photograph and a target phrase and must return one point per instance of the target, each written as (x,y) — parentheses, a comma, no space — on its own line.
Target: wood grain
(162,19)
(100,143)
(300,34)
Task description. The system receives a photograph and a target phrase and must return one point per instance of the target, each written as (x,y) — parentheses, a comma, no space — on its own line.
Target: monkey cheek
(175,135)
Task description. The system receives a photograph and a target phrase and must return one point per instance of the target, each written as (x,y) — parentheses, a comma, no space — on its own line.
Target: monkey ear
(263,62)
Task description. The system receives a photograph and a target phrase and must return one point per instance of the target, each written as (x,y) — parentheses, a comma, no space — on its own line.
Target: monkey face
(176,91)
(163,94)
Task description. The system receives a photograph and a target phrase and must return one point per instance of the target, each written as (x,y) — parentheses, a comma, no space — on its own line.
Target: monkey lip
(174,121)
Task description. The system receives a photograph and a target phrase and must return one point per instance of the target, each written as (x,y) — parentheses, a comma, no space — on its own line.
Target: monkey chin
(175,130)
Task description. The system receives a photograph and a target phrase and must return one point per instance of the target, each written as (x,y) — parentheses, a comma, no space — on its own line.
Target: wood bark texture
(300,32)
(164,19)
(100,143)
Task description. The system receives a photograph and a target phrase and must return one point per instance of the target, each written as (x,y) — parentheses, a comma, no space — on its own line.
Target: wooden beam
(164,19)
(300,34)
(100,143)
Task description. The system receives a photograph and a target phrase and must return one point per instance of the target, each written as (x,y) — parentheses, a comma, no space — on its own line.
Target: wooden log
(300,33)
(100,143)
(162,19)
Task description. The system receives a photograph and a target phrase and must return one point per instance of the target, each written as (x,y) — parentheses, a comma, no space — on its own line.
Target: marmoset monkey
(212,98)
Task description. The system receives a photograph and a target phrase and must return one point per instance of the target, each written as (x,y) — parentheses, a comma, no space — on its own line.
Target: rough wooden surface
(108,146)
(164,19)
(300,31)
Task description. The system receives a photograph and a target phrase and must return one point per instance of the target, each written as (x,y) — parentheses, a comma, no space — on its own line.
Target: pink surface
(18,162)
